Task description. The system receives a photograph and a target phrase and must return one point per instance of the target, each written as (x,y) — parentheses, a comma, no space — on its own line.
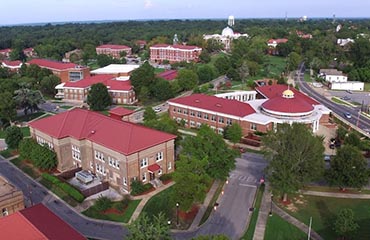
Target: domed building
(227,35)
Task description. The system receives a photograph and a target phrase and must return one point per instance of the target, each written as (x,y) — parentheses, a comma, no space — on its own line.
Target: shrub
(25,148)
(165,177)
(138,187)
(123,204)
(13,136)
(103,203)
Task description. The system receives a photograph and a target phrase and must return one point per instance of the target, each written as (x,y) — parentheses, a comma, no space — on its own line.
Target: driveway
(232,214)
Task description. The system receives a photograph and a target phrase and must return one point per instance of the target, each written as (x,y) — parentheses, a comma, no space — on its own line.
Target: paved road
(233,213)
(36,193)
(357,119)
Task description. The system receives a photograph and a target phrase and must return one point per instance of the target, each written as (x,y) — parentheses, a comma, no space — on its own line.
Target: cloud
(148,4)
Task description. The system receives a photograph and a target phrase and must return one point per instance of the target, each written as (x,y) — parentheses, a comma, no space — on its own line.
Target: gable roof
(36,223)
(215,104)
(113,46)
(123,137)
(168,75)
(106,79)
(120,111)
(56,65)
(276,90)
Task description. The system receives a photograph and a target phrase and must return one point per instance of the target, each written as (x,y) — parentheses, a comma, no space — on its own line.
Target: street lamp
(272,198)
(177,214)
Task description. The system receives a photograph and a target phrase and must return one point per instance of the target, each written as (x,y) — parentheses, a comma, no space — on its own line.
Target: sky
(40,11)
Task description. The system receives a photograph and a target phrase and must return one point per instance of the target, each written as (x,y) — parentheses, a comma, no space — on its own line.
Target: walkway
(337,195)
(145,198)
(259,231)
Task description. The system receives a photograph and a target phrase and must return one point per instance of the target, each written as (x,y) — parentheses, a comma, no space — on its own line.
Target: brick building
(13,66)
(67,72)
(11,199)
(174,53)
(273,43)
(114,150)
(113,50)
(261,111)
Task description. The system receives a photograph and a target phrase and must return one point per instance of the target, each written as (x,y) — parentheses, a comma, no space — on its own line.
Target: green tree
(103,60)
(188,79)
(212,237)
(294,59)
(151,229)
(345,225)
(142,77)
(13,136)
(233,133)
(7,106)
(191,181)
(149,114)
(161,89)
(43,158)
(48,84)
(98,97)
(25,148)
(348,168)
(205,57)
(28,99)
(295,157)
(206,73)
(353,139)
(222,64)
(210,145)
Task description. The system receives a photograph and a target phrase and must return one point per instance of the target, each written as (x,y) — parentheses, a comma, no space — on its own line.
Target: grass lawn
(337,100)
(59,192)
(161,202)
(26,168)
(6,153)
(248,235)
(323,211)
(104,112)
(66,107)
(276,65)
(307,77)
(367,87)
(211,203)
(122,217)
(279,229)
(25,131)
(29,117)
(336,189)
(158,70)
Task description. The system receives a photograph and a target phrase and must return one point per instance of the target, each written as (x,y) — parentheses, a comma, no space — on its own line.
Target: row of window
(145,161)
(42,141)
(205,116)
(113,162)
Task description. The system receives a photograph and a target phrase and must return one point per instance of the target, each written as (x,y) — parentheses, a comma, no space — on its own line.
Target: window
(185,111)
(220,119)
(179,110)
(160,171)
(113,162)
(220,131)
(213,118)
(76,154)
(192,124)
(174,109)
(159,156)
(253,126)
(144,162)
(125,181)
(100,169)
(5,212)
(229,121)
(192,113)
(99,156)
(199,114)
(198,125)
(75,76)
(144,177)
(205,116)
(169,167)
(91,165)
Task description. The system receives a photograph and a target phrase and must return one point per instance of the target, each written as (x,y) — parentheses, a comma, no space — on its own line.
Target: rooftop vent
(218,105)
(197,100)
(92,131)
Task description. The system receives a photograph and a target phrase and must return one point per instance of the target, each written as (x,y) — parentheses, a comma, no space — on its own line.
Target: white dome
(227,31)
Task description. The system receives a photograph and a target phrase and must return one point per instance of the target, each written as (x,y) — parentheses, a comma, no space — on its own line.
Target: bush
(138,187)
(25,148)
(71,191)
(103,203)
(165,177)
(13,136)
(123,204)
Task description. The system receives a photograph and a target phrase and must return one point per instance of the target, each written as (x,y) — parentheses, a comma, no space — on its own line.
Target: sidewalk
(204,206)
(259,231)
(337,195)
(145,199)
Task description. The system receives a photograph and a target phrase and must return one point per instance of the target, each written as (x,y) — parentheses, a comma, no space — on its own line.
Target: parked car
(346,98)
(349,91)
(347,115)
(327,158)
(157,109)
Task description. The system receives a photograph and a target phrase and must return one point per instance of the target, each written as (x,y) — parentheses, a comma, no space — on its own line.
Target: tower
(175,39)
(231,21)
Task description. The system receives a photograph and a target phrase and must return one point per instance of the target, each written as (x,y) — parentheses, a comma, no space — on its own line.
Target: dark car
(327,158)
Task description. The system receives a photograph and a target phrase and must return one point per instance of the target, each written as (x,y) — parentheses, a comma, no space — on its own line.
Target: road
(36,193)
(357,119)
(233,214)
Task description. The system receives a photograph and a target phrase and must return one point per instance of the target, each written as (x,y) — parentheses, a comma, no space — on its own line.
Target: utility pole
(309,229)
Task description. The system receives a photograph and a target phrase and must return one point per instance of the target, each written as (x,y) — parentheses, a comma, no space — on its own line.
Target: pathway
(259,232)
(337,195)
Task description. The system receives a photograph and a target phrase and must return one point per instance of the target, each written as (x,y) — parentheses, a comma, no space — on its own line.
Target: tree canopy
(233,133)
(145,228)
(98,97)
(345,225)
(13,136)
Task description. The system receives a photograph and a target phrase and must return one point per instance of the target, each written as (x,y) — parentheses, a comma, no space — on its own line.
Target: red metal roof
(178,46)
(50,64)
(278,40)
(276,90)
(123,137)
(107,79)
(16,63)
(113,46)
(215,104)
(120,111)
(6,50)
(168,75)
(36,223)
(287,105)
(154,167)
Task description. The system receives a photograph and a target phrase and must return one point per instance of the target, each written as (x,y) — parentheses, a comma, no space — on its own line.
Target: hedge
(71,191)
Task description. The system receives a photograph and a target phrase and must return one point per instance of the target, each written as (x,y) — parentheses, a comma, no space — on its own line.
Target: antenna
(286,16)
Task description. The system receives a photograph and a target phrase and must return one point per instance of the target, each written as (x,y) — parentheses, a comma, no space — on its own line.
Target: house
(338,81)
(37,223)
(141,43)
(332,75)
(273,43)
(118,70)
(29,52)
(115,151)
(13,66)
(260,110)
(5,53)
(121,90)
(303,35)
(344,41)
(121,113)
(65,71)
(174,53)
(11,198)
(113,50)
(76,52)
(168,75)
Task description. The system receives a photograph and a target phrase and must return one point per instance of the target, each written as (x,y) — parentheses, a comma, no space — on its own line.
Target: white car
(157,109)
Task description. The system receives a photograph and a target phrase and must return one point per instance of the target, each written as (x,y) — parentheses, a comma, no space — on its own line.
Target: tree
(103,60)
(149,114)
(28,99)
(295,157)
(188,79)
(212,237)
(293,61)
(161,89)
(243,71)
(348,168)
(345,225)
(222,64)
(142,77)
(7,106)
(353,139)
(191,181)
(233,133)
(48,84)
(13,136)
(151,229)
(205,57)
(98,97)
(43,157)
(206,73)
(210,145)
(25,148)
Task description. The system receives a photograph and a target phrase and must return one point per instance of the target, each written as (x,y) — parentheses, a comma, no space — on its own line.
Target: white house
(332,75)
(350,85)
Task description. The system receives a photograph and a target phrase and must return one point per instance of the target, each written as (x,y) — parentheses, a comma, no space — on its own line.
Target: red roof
(278,41)
(28,50)
(107,79)
(168,75)
(113,46)
(120,111)
(141,42)
(154,167)
(16,63)
(277,90)
(50,64)
(215,104)
(178,46)
(123,137)
(36,223)
(6,50)
(287,105)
